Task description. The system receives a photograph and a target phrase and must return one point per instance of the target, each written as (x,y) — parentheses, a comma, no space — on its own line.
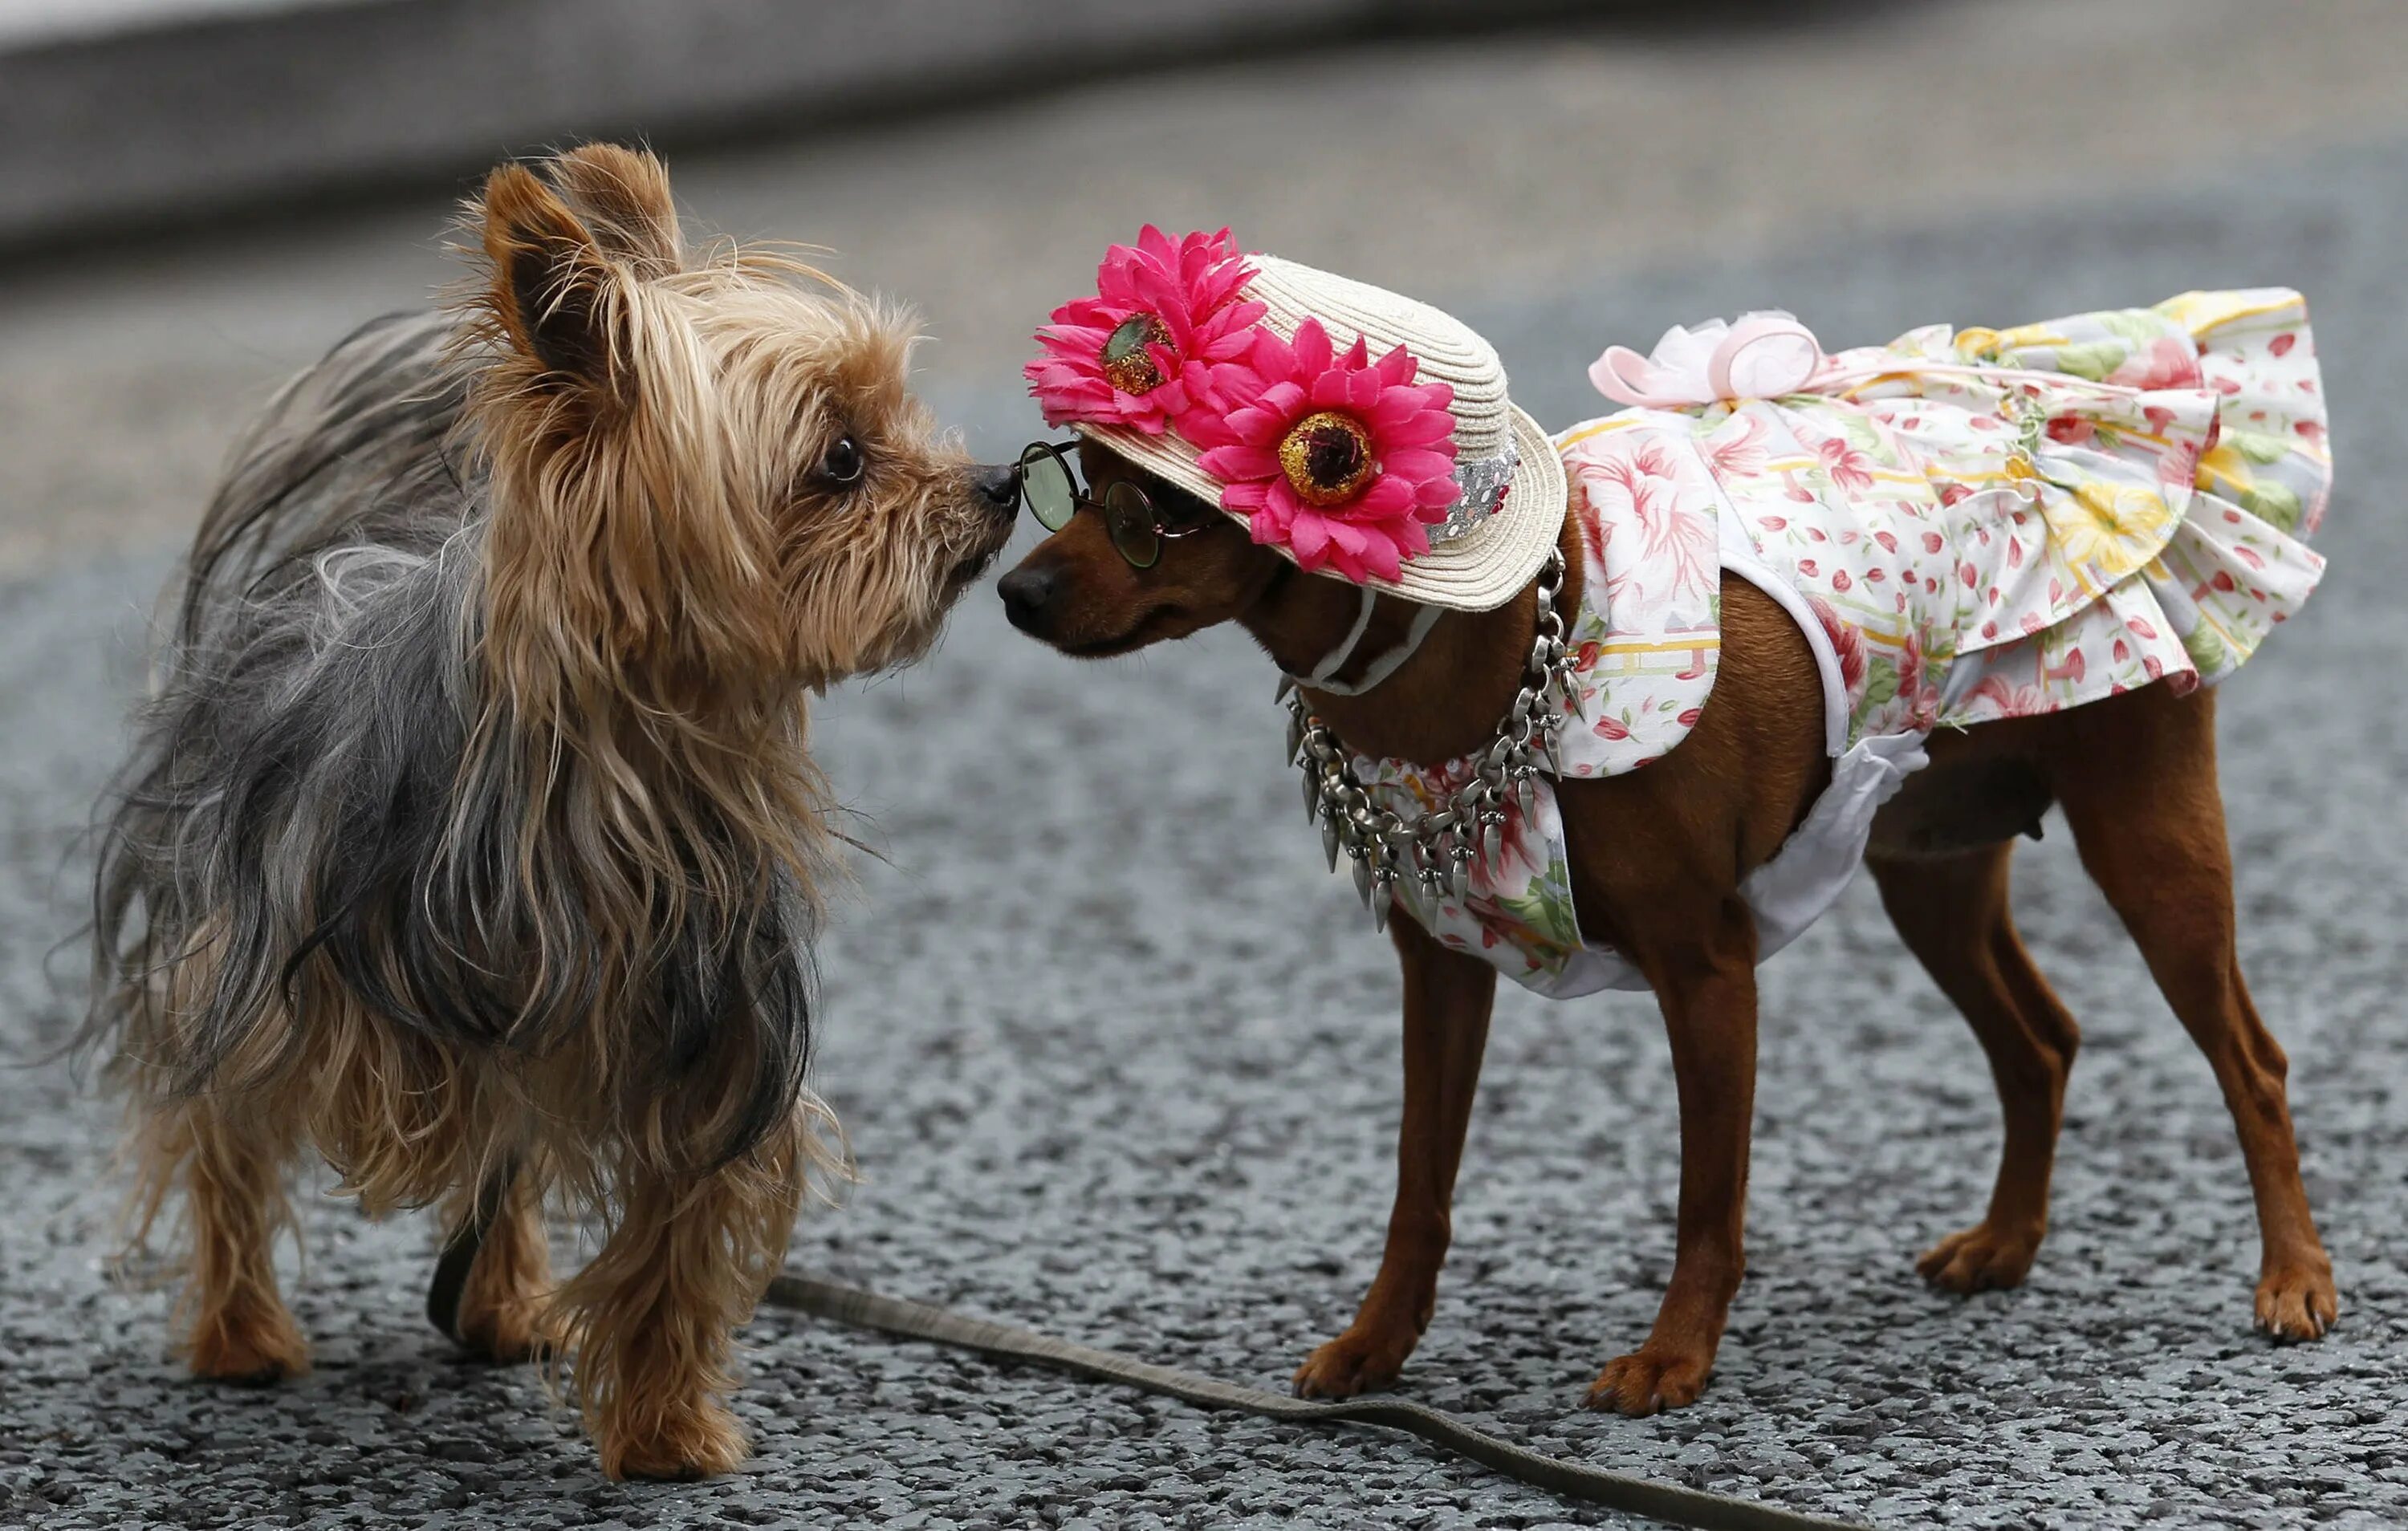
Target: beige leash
(1666,1502)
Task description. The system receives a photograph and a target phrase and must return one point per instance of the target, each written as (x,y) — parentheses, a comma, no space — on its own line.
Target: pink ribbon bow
(1763,356)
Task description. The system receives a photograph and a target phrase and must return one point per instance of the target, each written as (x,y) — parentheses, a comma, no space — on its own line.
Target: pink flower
(1676,557)
(1140,352)
(1847,644)
(1738,454)
(1849,468)
(2171,362)
(2009,700)
(1922,702)
(1342,460)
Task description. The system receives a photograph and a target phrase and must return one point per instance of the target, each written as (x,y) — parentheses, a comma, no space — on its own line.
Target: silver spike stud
(1492,835)
(1329,842)
(1312,795)
(1363,879)
(1382,896)
(1294,735)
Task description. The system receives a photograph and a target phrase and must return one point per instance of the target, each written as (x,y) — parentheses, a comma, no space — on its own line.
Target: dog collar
(1437,847)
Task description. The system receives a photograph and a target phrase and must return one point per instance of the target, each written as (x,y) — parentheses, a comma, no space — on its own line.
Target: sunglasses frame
(1159,529)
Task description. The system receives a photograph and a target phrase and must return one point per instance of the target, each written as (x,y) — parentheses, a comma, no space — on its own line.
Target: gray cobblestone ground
(1120,1062)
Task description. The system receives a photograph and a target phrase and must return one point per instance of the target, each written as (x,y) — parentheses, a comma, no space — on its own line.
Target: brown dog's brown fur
(1657,857)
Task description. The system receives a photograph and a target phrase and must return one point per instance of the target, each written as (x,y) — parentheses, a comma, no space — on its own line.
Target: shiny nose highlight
(997,487)
(1026,592)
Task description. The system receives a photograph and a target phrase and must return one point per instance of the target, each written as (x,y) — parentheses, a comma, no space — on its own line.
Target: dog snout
(997,487)
(1027,598)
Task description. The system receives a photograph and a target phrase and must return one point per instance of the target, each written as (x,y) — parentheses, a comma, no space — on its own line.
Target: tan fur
(663,578)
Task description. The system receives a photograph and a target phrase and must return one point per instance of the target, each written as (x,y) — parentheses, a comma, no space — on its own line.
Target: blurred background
(1118,1059)
(197,196)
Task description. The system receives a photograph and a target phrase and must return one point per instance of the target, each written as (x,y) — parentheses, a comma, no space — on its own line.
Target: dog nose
(997,487)
(1025,594)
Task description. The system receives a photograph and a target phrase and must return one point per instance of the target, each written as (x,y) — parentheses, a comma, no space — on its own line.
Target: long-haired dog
(1659,864)
(470,838)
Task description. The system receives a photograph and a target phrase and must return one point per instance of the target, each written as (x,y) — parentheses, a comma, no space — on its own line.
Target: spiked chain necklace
(1437,847)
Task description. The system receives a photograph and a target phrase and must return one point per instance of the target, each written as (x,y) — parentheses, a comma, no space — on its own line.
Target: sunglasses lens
(1131,516)
(1047,484)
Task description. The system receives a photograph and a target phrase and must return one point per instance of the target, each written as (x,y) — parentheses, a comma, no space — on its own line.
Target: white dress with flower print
(1966,525)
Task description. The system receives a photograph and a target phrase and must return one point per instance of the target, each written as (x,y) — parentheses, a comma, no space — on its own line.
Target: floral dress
(1966,525)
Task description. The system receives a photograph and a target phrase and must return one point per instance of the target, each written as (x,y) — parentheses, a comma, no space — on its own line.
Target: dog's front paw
(2298,1301)
(1365,1359)
(1649,1380)
(1983,1258)
(697,1440)
(250,1345)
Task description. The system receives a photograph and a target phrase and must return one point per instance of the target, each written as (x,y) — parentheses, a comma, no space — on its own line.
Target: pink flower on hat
(1343,461)
(1140,353)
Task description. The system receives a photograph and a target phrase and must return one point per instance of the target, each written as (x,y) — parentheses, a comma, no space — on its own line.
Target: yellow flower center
(1128,365)
(1327,457)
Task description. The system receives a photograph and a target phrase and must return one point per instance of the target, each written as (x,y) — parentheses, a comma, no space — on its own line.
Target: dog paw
(508,1332)
(2297,1302)
(1983,1258)
(1361,1360)
(251,1347)
(1648,1381)
(700,1441)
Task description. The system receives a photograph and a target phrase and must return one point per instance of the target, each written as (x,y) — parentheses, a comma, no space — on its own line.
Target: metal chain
(1438,847)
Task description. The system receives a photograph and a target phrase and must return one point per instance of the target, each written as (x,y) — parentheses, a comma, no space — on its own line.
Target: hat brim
(1478,571)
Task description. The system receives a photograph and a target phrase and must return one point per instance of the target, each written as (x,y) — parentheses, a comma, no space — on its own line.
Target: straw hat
(1490,548)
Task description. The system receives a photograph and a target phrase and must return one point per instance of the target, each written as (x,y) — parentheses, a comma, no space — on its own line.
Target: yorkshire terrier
(470,838)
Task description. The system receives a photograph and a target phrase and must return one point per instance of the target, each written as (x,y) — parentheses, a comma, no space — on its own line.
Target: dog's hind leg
(229,1156)
(2138,785)
(1952,913)
(497,1310)
(1447,999)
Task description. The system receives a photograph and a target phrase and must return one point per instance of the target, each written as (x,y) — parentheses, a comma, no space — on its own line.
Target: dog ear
(552,291)
(622,195)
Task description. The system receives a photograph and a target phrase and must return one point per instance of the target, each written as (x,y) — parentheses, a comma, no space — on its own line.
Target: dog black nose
(1026,592)
(997,487)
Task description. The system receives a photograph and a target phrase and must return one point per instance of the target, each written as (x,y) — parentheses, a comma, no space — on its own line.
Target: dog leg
(1703,970)
(232,1167)
(653,1316)
(501,1315)
(2149,822)
(1953,915)
(1447,999)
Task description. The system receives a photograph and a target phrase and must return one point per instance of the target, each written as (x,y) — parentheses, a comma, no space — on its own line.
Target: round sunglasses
(1051,489)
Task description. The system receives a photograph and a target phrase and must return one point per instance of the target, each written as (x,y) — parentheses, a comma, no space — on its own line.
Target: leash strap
(1666,1502)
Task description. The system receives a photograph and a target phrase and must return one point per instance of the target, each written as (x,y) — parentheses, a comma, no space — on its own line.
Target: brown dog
(1657,858)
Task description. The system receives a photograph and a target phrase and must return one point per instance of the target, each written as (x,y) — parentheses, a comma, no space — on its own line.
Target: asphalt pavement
(1119,1060)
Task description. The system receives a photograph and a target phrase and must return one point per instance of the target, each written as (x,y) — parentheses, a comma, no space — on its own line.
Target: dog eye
(841,463)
